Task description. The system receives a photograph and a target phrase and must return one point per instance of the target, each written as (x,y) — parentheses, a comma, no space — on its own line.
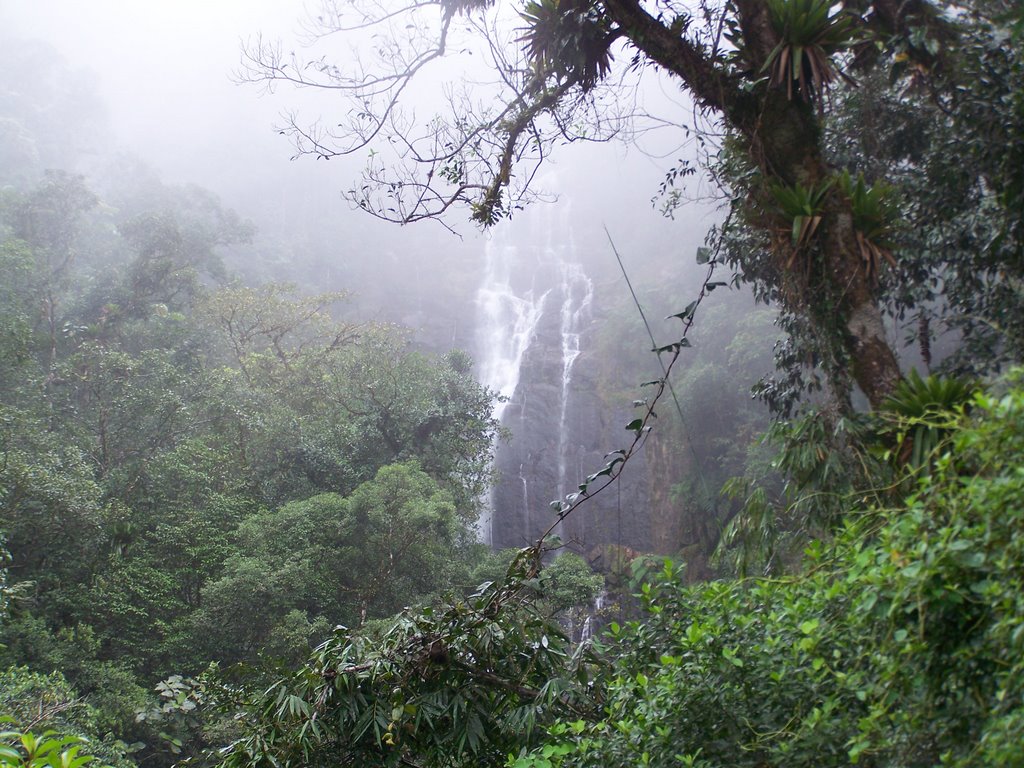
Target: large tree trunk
(783,135)
(785,141)
(875,368)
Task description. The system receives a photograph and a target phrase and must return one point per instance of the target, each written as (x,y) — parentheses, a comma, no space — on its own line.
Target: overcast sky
(164,69)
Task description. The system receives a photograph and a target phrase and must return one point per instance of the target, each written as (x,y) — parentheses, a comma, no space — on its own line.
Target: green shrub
(48,750)
(900,644)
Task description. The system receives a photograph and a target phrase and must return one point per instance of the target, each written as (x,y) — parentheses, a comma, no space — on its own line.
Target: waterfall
(587,632)
(577,292)
(506,321)
(532,307)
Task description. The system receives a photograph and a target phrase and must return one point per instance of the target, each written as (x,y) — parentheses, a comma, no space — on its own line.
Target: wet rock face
(620,514)
(528,464)
(536,332)
(551,452)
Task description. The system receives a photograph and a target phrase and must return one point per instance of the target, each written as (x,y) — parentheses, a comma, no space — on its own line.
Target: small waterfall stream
(507,317)
(587,631)
(577,292)
(532,307)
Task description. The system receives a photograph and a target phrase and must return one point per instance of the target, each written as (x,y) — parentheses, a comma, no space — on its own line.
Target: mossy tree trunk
(783,134)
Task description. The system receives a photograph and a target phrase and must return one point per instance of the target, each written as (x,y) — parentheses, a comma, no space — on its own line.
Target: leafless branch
(484,146)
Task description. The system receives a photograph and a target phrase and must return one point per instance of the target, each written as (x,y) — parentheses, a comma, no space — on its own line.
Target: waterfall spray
(506,322)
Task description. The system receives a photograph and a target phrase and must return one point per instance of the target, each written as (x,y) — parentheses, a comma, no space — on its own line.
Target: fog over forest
(166,79)
(164,85)
(519,384)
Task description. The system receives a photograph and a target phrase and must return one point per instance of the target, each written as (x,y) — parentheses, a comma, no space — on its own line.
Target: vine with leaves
(472,679)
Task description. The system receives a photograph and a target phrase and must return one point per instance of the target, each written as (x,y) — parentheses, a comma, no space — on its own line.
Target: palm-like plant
(873,214)
(809,34)
(923,412)
(567,38)
(803,207)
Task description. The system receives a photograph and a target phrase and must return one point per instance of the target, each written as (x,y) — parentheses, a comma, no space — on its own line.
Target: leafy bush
(462,683)
(901,643)
(34,703)
(48,750)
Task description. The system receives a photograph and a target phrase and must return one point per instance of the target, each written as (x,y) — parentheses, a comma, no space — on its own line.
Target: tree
(50,113)
(899,644)
(762,70)
(50,505)
(465,682)
(16,307)
(393,541)
(47,219)
(271,330)
(945,156)
(400,404)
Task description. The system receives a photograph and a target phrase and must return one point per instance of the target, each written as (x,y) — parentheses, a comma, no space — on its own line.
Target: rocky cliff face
(537,317)
(555,444)
(568,365)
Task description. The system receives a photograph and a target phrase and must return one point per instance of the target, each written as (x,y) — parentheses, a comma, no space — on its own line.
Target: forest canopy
(239,518)
(182,454)
(869,153)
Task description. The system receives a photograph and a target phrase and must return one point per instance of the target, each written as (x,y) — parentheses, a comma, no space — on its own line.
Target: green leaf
(686,314)
(808,627)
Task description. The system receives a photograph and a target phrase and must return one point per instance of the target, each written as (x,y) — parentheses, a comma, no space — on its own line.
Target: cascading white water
(577,292)
(587,631)
(534,291)
(506,322)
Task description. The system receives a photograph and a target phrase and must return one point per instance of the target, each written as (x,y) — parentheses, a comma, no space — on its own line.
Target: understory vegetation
(239,520)
(895,641)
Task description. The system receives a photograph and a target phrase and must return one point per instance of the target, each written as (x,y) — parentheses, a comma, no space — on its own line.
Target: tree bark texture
(784,137)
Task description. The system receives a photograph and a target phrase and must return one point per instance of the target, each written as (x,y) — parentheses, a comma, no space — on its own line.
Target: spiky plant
(801,207)
(809,34)
(873,214)
(921,414)
(567,38)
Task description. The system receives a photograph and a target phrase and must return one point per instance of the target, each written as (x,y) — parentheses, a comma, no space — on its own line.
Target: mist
(392,390)
(162,94)
(166,78)
(558,307)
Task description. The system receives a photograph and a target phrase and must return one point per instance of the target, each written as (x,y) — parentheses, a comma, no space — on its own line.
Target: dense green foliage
(196,471)
(898,643)
(202,480)
(465,682)
(47,750)
(926,151)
